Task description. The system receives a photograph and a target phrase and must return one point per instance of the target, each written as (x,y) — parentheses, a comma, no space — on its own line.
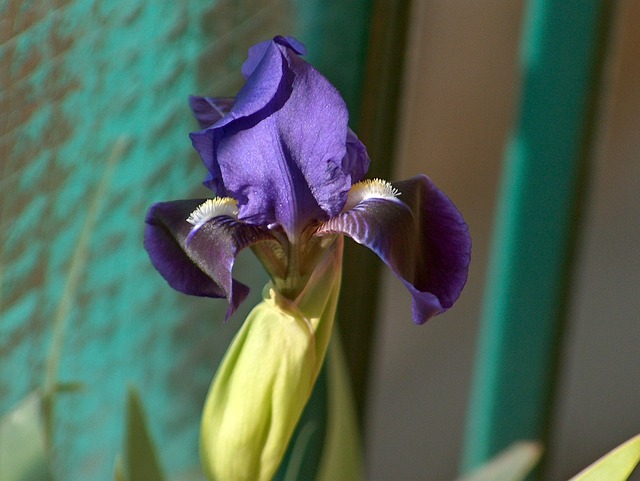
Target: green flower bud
(267,376)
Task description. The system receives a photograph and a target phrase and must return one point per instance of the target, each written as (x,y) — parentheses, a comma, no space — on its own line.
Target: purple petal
(356,161)
(284,150)
(421,236)
(201,267)
(208,111)
(257,52)
(251,105)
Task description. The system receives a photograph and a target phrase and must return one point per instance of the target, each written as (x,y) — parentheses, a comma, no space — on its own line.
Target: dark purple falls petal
(421,236)
(203,266)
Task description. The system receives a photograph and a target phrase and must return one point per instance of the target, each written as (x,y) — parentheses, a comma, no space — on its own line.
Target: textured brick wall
(94,124)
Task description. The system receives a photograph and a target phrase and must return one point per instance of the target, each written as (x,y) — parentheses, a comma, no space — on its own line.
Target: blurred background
(93,130)
(461,89)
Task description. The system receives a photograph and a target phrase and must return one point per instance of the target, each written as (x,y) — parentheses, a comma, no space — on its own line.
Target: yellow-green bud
(267,376)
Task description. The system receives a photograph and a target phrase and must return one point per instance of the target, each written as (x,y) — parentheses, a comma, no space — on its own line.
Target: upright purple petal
(263,92)
(258,50)
(356,160)
(284,150)
(421,236)
(202,266)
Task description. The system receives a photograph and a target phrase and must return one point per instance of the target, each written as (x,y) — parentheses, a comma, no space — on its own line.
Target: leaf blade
(512,464)
(23,445)
(141,459)
(616,465)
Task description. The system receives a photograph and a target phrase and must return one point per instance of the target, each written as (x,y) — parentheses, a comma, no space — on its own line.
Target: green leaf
(342,457)
(617,465)
(295,469)
(23,446)
(307,444)
(141,461)
(512,464)
(119,474)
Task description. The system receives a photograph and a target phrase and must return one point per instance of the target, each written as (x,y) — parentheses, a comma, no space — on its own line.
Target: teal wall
(94,124)
(94,129)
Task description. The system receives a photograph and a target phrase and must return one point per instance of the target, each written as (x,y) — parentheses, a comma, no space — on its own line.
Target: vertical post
(537,216)
(336,35)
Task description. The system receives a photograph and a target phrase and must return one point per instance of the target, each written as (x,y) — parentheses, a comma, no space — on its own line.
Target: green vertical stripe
(526,296)
(336,33)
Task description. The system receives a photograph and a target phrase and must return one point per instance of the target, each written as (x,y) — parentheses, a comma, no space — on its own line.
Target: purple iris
(287,173)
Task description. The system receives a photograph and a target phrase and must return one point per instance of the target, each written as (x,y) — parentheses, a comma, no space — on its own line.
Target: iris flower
(288,173)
